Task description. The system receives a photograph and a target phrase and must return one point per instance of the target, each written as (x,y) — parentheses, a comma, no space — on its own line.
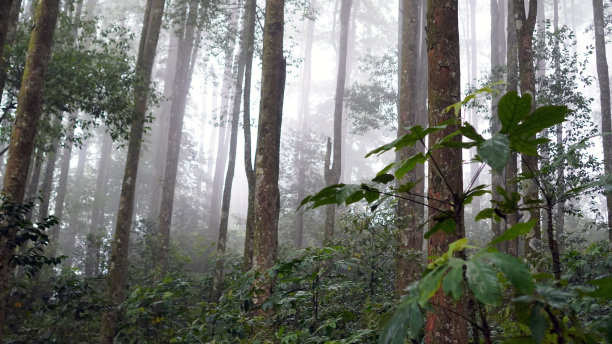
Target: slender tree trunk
(604,98)
(29,109)
(119,255)
(96,232)
(63,181)
(247,263)
(525,25)
(472,113)
(560,214)
(267,197)
(222,149)
(47,181)
(442,325)
(409,214)
(32,191)
(182,82)
(76,211)
(512,167)
(304,113)
(332,175)
(162,127)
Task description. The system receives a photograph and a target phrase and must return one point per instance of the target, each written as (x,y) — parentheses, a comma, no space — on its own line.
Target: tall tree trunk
(267,197)
(76,211)
(63,180)
(247,262)
(121,241)
(32,190)
(472,113)
(163,124)
(445,323)
(8,31)
(409,213)
(222,149)
(332,175)
(512,77)
(182,82)
(604,98)
(304,113)
(497,62)
(96,232)
(525,25)
(560,214)
(47,180)
(29,109)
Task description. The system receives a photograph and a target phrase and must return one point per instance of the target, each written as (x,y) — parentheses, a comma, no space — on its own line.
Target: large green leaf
(409,164)
(407,319)
(514,269)
(495,152)
(483,283)
(542,118)
(512,109)
(453,281)
(605,288)
(538,323)
(431,283)
(514,231)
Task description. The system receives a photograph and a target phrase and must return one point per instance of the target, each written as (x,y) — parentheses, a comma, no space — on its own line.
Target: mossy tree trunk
(446,322)
(29,109)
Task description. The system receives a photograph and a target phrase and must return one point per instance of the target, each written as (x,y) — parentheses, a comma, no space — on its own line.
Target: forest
(305,171)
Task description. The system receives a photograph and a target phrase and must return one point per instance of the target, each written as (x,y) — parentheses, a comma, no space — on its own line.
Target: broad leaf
(514,269)
(430,283)
(409,164)
(514,232)
(512,109)
(452,284)
(542,118)
(495,152)
(483,283)
(538,323)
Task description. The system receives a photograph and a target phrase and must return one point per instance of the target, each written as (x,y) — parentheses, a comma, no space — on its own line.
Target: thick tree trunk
(525,25)
(332,175)
(8,33)
(444,324)
(24,129)
(97,228)
(604,98)
(267,198)
(182,82)
(410,214)
(247,263)
(118,266)
(512,77)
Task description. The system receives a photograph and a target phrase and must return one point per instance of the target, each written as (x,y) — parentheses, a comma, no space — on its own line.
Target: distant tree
(119,255)
(29,110)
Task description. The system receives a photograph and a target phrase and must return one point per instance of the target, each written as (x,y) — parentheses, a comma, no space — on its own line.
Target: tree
(267,198)
(410,212)
(29,110)
(186,59)
(8,29)
(525,25)
(445,172)
(604,98)
(119,255)
(333,166)
(247,260)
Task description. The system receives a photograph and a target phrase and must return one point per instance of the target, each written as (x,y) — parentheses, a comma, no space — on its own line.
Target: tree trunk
(267,198)
(32,190)
(76,211)
(512,77)
(525,25)
(560,214)
(304,113)
(445,172)
(8,34)
(604,98)
(29,109)
(47,181)
(182,82)
(119,255)
(332,175)
(97,228)
(409,213)
(247,262)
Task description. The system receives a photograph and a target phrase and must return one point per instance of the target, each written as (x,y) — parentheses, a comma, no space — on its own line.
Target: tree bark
(560,214)
(332,175)
(247,263)
(29,109)
(32,190)
(118,266)
(604,98)
(182,82)
(76,211)
(267,198)
(409,214)
(8,31)
(525,25)
(445,172)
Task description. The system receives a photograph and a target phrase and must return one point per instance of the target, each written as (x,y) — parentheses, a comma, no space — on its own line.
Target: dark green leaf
(542,118)
(409,164)
(453,281)
(514,231)
(538,323)
(495,152)
(447,226)
(383,178)
(485,214)
(470,132)
(483,283)
(431,283)
(512,109)
(515,270)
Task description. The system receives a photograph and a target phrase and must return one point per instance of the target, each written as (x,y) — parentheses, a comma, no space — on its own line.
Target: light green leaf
(453,281)
(495,152)
(431,283)
(514,269)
